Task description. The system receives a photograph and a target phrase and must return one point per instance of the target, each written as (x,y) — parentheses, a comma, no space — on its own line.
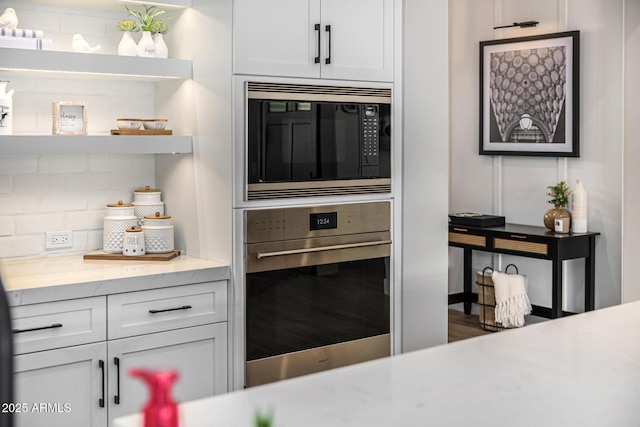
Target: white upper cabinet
(332,39)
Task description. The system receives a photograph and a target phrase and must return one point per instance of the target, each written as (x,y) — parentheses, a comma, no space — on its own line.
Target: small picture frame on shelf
(69,118)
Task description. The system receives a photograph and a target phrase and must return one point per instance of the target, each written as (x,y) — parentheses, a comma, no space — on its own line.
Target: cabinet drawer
(157,310)
(460,236)
(521,245)
(58,324)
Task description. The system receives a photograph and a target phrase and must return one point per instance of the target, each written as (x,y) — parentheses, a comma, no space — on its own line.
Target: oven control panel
(370,130)
(271,225)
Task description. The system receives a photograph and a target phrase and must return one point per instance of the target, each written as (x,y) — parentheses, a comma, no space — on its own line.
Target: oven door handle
(261,255)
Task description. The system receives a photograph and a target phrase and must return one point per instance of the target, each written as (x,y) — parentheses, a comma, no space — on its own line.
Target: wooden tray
(119,257)
(141,132)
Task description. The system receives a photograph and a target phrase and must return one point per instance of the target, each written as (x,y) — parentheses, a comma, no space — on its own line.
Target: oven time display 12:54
(323,221)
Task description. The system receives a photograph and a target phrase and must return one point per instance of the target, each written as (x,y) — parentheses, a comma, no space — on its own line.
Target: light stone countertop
(581,370)
(30,281)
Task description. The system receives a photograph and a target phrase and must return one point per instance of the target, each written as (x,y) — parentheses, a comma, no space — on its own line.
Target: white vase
(579,208)
(146,46)
(127,45)
(6,110)
(162,51)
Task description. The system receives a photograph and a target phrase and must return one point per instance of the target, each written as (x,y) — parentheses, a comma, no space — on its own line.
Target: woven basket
(487,300)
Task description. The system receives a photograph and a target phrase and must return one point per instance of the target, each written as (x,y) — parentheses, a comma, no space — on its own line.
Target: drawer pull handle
(464,230)
(55,325)
(518,236)
(116,398)
(316,60)
(101,400)
(184,307)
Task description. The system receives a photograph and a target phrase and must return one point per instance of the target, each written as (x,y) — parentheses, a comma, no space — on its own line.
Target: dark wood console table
(532,242)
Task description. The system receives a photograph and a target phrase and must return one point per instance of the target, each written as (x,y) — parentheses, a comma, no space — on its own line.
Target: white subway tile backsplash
(100,200)
(85,220)
(62,164)
(12,165)
(86,25)
(23,246)
(62,203)
(39,183)
(6,184)
(17,205)
(94,240)
(6,226)
(34,224)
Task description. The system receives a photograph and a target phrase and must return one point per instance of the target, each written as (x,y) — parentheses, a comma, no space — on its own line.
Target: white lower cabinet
(199,354)
(89,384)
(61,387)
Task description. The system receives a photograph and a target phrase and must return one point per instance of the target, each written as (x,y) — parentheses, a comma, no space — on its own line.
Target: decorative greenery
(128,25)
(262,420)
(559,194)
(149,18)
(159,27)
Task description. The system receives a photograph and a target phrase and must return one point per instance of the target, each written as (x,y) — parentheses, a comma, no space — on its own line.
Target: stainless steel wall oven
(310,140)
(316,288)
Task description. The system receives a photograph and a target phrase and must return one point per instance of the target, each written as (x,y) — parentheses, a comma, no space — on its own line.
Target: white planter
(127,45)
(146,46)
(162,51)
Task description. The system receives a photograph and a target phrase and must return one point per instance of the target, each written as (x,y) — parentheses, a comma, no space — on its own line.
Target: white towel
(512,302)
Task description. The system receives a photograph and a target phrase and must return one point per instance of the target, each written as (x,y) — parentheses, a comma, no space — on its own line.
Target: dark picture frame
(529,95)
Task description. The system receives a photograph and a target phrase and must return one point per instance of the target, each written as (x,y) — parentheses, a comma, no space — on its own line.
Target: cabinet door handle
(55,325)
(317,58)
(184,307)
(116,398)
(101,400)
(328,30)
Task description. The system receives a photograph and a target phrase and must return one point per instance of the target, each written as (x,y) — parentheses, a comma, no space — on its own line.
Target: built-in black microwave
(308,140)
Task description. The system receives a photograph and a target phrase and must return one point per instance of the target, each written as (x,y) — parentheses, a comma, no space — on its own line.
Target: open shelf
(111,5)
(95,144)
(96,65)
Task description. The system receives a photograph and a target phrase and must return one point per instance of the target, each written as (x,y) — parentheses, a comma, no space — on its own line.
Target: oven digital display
(323,221)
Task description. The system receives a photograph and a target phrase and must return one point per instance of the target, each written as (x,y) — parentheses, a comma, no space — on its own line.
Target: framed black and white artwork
(529,92)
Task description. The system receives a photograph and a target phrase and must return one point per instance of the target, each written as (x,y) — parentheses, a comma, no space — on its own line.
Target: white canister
(133,244)
(119,218)
(147,201)
(6,109)
(158,233)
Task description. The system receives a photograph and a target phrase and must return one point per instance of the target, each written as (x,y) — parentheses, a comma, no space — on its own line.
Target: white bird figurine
(79,44)
(9,19)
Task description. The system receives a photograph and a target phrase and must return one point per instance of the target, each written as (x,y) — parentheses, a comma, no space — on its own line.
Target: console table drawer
(467,239)
(521,246)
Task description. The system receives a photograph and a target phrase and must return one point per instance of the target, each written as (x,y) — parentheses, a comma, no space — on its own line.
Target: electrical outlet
(58,239)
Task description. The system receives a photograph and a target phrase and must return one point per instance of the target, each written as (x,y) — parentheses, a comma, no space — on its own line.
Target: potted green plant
(127,45)
(151,16)
(559,194)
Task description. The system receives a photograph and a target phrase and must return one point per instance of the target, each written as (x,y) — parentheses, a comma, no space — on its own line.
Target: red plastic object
(161,410)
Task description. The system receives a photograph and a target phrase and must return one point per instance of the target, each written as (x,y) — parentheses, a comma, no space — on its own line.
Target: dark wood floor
(463,326)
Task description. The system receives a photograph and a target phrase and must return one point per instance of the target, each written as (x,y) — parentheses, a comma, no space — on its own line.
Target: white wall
(516,186)
(425,191)
(631,225)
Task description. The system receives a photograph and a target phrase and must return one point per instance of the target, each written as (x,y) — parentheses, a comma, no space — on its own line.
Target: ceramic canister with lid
(133,244)
(158,233)
(119,218)
(147,201)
